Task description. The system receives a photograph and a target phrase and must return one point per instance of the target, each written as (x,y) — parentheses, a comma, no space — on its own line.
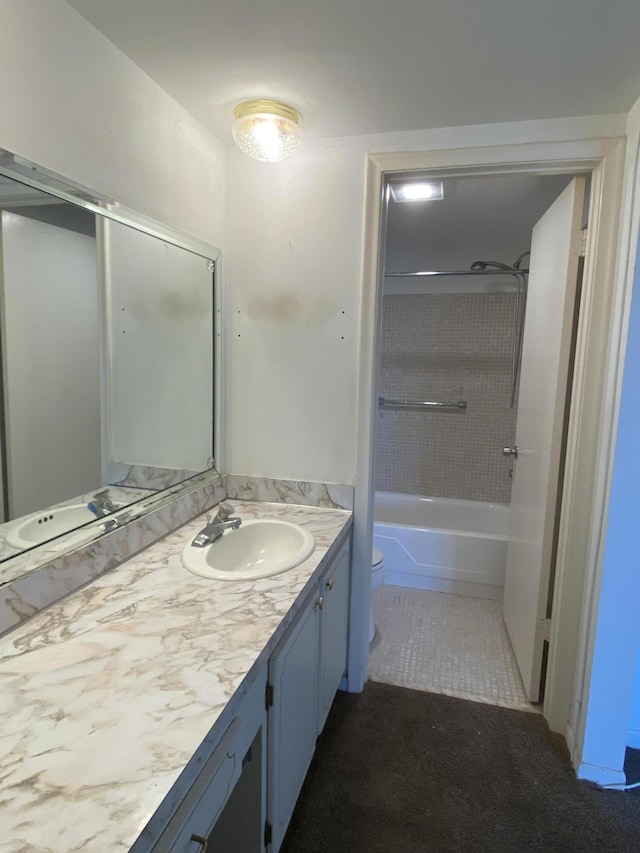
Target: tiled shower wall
(447,347)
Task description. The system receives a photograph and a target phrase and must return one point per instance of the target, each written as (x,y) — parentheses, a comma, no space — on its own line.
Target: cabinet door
(293,674)
(334,590)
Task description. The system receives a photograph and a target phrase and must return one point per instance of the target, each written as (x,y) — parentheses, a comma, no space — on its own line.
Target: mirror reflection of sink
(35,529)
(259,548)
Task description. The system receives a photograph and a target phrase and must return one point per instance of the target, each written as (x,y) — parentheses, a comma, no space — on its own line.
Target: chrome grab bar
(435,273)
(385,403)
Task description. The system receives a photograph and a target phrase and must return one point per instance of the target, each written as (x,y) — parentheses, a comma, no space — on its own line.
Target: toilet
(377,578)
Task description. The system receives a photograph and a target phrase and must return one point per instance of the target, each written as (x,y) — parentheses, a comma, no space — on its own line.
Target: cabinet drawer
(200,808)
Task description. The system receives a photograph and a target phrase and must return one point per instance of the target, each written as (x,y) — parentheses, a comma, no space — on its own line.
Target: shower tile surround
(43,583)
(455,346)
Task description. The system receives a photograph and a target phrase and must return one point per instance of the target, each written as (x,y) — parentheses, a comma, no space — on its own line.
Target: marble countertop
(107,694)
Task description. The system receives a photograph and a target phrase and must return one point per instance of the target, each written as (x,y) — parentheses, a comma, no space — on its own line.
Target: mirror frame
(26,172)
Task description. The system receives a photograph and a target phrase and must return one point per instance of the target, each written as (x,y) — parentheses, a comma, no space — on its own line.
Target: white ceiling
(369,66)
(479,218)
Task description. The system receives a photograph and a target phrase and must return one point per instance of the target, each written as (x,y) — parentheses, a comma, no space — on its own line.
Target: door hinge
(583,247)
(545,629)
(268,696)
(268,833)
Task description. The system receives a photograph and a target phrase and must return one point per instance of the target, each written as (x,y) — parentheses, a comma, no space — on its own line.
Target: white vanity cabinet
(304,672)
(238,792)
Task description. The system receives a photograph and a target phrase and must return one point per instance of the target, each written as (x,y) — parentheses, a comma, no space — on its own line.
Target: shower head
(483,265)
(517,263)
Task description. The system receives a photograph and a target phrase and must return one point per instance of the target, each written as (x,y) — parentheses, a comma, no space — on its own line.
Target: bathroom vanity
(154,710)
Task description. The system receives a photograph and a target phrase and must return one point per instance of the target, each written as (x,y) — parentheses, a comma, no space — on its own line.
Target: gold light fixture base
(264,105)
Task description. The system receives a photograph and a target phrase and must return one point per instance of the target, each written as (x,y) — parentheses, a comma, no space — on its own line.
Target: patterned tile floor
(445,643)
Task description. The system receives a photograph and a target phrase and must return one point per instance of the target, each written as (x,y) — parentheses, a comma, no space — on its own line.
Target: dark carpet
(406,771)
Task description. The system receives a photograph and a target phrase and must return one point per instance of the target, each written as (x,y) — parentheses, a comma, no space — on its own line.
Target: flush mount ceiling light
(417,191)
(266,130)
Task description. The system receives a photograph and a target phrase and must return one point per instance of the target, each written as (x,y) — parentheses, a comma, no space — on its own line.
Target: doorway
(450,352)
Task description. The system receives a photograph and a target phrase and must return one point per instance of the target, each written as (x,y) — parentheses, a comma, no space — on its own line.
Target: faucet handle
(225,511)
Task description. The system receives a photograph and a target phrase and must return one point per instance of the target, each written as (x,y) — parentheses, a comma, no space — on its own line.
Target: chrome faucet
(101,504)
(215,527)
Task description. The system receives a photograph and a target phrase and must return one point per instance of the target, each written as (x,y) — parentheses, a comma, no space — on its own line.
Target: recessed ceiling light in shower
(417,191)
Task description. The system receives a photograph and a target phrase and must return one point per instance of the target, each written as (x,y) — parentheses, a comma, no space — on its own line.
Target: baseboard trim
(600,775)
(429,582)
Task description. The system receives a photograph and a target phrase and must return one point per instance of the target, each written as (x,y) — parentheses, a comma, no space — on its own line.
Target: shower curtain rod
(454,272)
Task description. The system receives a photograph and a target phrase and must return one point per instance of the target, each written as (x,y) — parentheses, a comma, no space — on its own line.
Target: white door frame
(591,438)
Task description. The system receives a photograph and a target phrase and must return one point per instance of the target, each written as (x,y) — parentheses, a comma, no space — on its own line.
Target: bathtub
(441,544)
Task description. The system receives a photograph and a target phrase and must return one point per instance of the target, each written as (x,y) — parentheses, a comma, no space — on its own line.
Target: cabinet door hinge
(268,695)
(268,833)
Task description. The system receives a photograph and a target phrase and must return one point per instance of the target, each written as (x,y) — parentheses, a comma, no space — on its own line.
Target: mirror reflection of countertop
(107,694)
(122,496)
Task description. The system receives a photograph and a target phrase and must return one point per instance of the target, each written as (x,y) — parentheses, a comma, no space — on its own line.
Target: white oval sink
(259,548)
(41,526)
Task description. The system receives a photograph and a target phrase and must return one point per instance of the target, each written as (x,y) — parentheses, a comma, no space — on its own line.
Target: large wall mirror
(108,331)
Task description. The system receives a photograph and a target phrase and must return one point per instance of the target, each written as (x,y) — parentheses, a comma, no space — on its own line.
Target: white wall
(293,265)
(75,104)
(616,641)
(293,271)
(617,629)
